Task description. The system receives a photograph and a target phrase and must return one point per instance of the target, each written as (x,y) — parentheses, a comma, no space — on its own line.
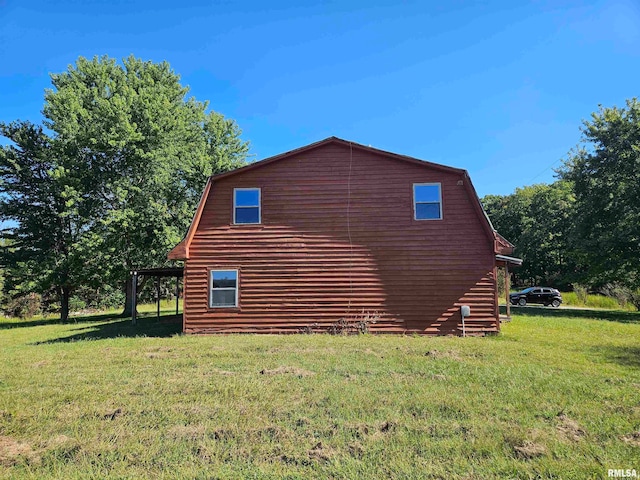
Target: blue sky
(496,87)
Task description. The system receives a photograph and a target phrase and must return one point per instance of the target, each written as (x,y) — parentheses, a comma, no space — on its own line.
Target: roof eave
(513,261)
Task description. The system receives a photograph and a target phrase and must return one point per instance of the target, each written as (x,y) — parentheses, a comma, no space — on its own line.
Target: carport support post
(157,298)
(507,286)
(134,297)
(177,293)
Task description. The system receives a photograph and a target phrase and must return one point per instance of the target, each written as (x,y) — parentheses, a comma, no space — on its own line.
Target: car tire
(522,302)
(555,303)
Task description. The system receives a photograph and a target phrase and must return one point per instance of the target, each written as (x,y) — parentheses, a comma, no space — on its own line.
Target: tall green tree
(134,152)
(143,152)
(39,200)
(605,172)
(538,220)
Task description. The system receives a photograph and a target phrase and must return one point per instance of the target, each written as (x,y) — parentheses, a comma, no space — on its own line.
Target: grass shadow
(147,326)
(620,316)
(5,325)
(622,355)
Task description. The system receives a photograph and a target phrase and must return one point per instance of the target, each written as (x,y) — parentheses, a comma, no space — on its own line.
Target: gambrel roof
(181,251)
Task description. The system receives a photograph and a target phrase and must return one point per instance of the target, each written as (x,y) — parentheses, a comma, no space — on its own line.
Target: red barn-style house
(336,232)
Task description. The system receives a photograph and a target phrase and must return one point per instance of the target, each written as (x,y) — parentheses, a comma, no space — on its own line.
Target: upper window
(224,288)
(246,205)
(427,201)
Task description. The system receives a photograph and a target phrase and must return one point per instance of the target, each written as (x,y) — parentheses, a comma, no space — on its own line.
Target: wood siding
(338,241)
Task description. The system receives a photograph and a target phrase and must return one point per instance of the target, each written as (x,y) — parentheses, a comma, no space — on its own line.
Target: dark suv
(543,295)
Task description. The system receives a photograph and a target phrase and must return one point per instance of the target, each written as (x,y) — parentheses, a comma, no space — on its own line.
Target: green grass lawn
(551,397)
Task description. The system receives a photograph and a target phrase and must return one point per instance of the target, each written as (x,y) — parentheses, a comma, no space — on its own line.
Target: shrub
(358,324)
(614,290)
(634,298)
(623,295)
(76,304)
(102,298)
(611,297)
(581,293)
(24,306)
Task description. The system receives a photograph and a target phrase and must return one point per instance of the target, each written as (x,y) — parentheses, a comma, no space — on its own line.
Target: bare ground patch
(388,426)
(443,354)
(13,452)
(569,428)
(163,352)
(359,430)
(188,432)
(196,409)
(632,439)
(321,452)
(299,372)
(529,450)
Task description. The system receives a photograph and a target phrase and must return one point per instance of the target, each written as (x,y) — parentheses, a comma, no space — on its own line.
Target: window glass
(427,201)
(247,215)
(427,193)
(246,205)
(223,278)
(223,298)
(247,198)
(224,288)
(427,210)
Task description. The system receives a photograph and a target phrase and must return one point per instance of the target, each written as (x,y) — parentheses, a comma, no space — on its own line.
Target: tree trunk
(128,294)
(128,297)
(64,306)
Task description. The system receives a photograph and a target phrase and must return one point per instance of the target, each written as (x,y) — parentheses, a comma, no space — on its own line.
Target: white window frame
(259,206)
(439,202)
(211,289)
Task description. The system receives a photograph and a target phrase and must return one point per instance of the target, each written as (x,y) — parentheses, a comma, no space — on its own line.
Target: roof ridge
(334,139)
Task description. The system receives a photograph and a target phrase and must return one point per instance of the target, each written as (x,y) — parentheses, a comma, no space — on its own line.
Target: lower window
(223,288)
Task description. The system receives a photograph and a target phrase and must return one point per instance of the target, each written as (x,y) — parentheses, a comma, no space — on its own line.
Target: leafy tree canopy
(538,220)
(605,172)
(126,160)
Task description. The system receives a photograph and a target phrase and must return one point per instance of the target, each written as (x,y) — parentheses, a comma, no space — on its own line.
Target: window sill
(224,309)
(246,225)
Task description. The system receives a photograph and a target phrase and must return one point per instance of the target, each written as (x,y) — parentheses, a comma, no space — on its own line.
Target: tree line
(107,183)
(583,229)
(110,180)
